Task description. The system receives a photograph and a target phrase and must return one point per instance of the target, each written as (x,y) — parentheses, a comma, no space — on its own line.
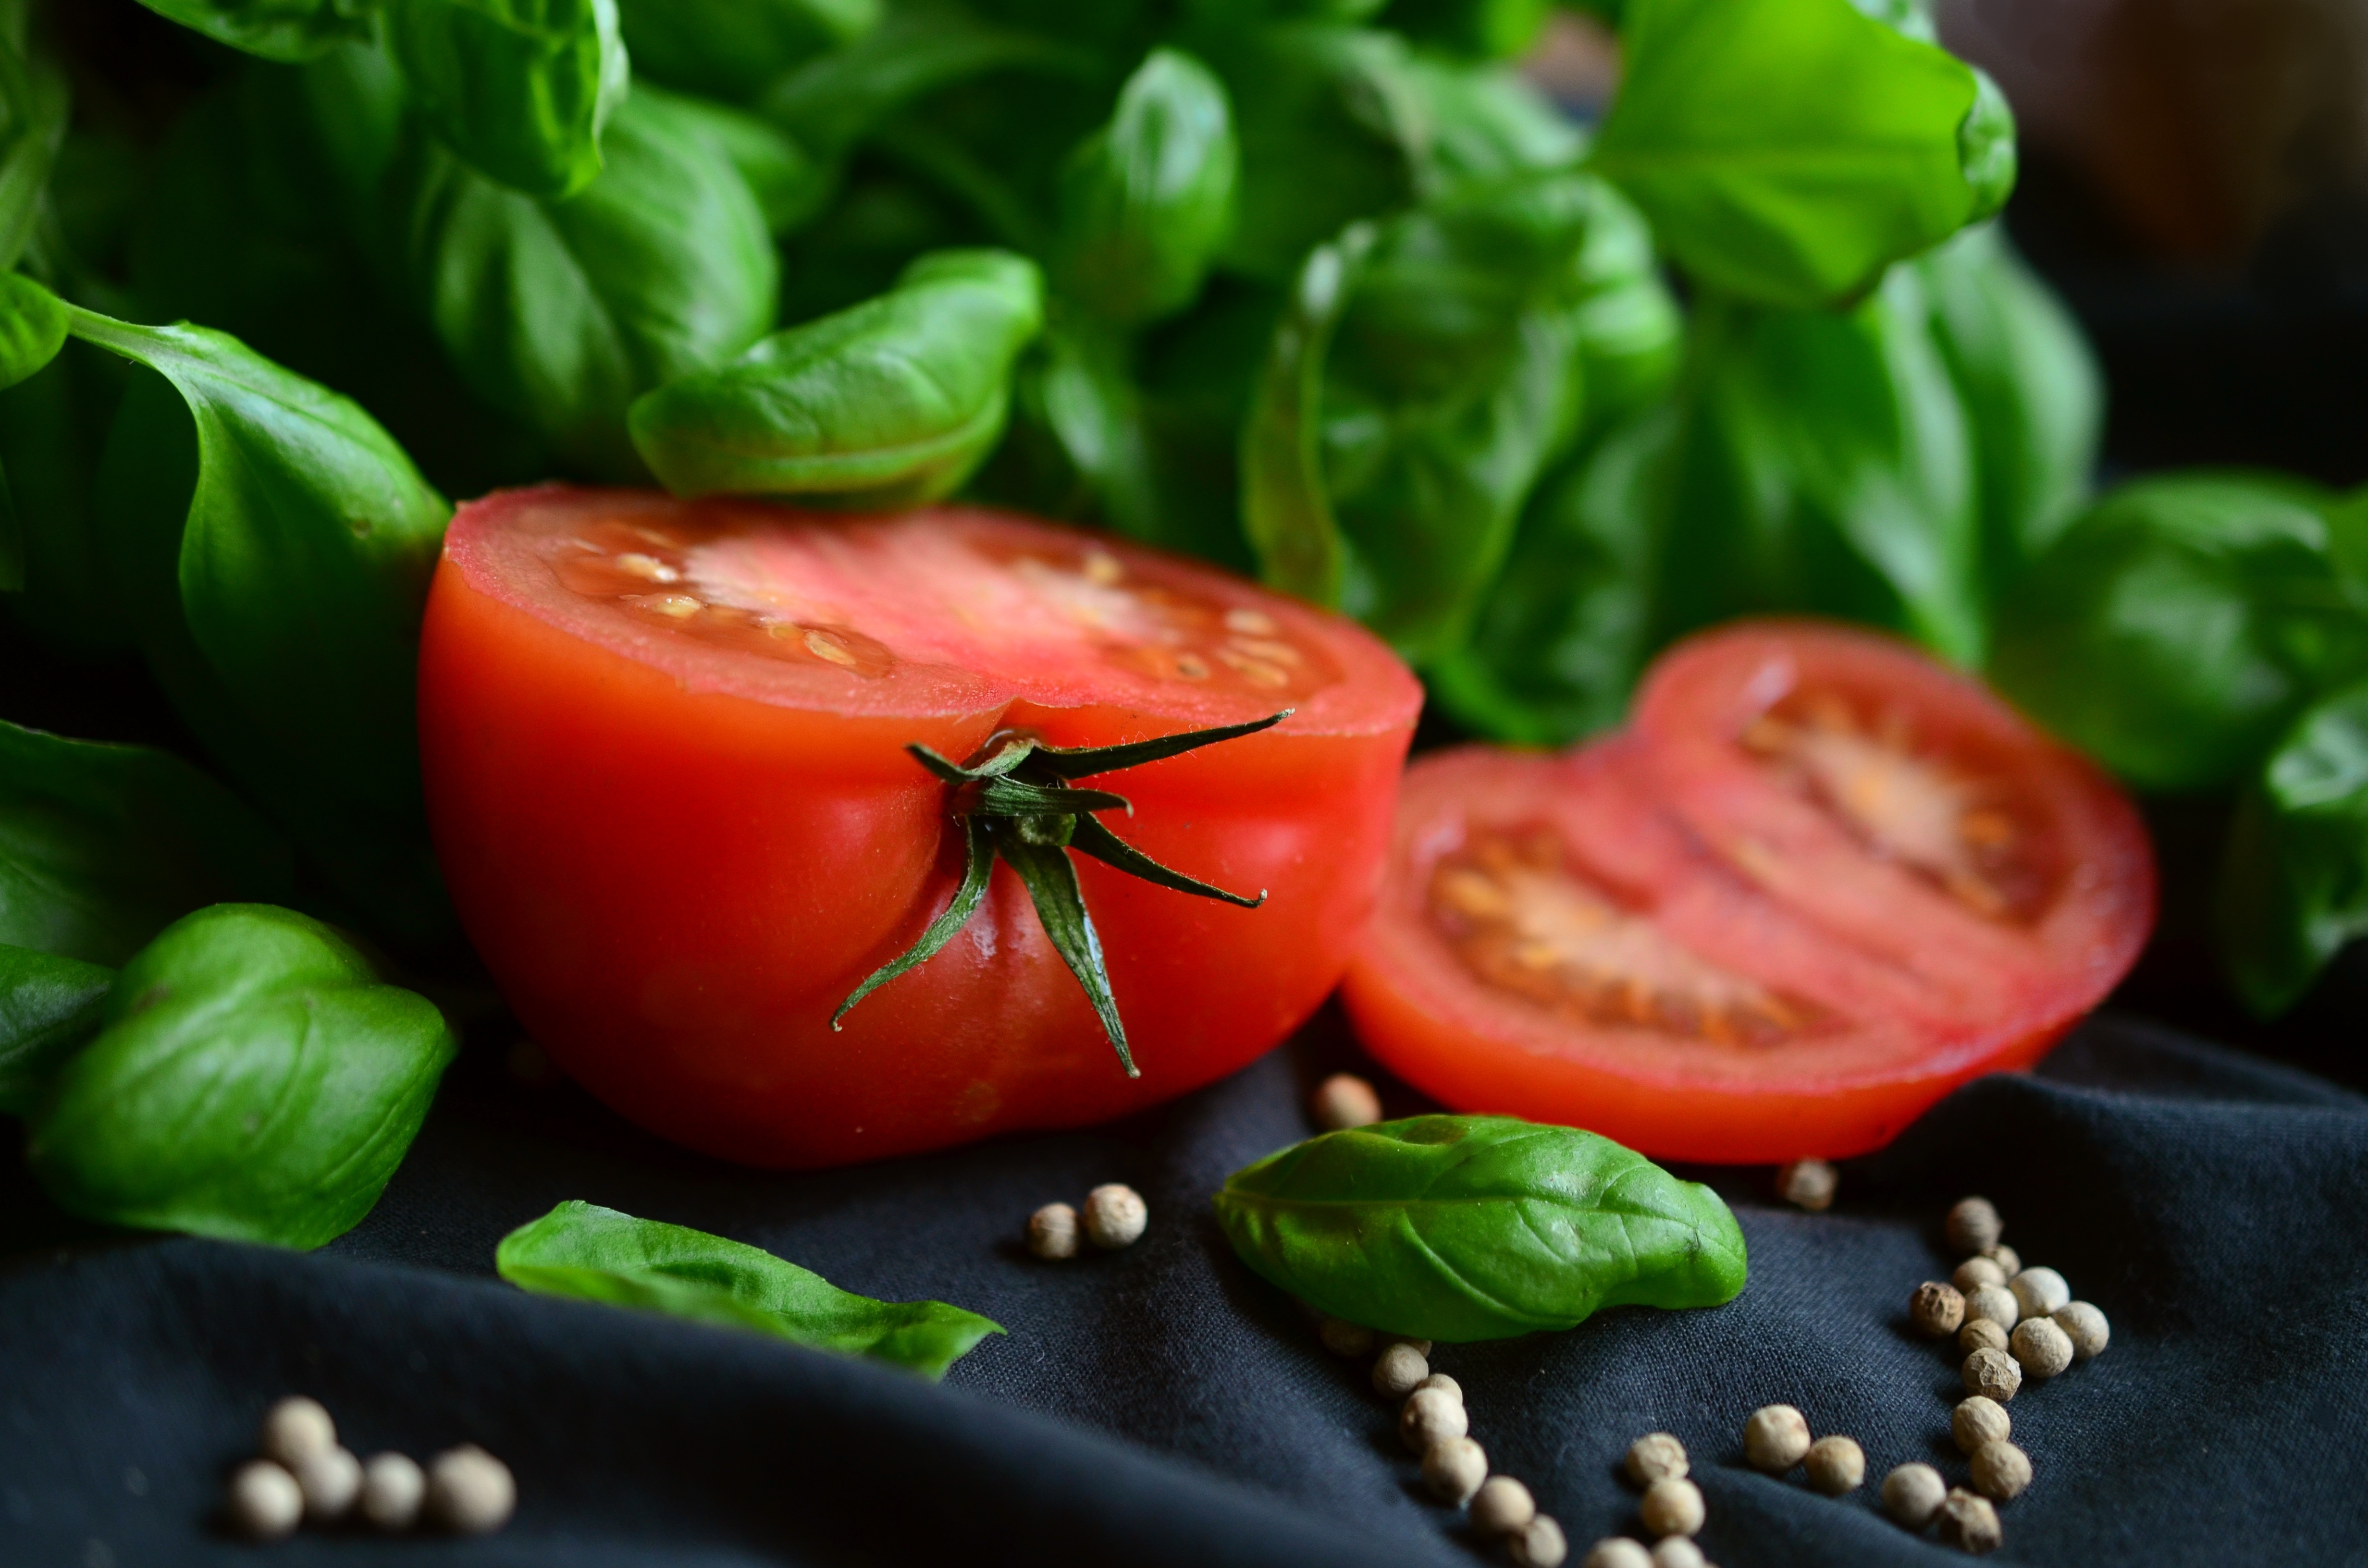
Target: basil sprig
(598,1255)
(1461,1228)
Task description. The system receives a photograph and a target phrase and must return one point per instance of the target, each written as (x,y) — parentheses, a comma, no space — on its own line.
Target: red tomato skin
(675,888)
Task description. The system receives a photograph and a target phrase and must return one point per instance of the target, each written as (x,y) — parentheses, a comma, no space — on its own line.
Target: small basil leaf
(521,89)
(2293,884)
(33,103)
(1986,149)
(789,184)
(1488,123)
(1789,150)
(49,1007)
(593,1254)
(891,401)
(734,49)
(2177,626)
(102,846)
(1459,1228)
(1286,508)
(275,29)
(1146,200)
(32,328)
(253,1081)
(1489,29)
(1631,332)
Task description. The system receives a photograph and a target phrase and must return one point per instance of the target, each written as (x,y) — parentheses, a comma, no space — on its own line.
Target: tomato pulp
(1819,882)
(666,768)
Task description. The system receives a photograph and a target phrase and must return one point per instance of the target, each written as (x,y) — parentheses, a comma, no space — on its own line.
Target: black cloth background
(1163,1405)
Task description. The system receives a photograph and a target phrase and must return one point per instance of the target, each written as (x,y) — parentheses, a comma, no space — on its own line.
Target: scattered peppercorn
(1618,1552)
(2042,1348)
(1969,1523)
(1344,1338)
(1399,1370)
(1454,1468)
(1443,1383)
(1657,1456)
(1429,1415)
(1836,1465)
(329,1481)
(294,1431)
(1678,1551)
(2039,1291)
(1775,1437)
(265,1501)
(392,1488)
(1993,1374)
(2010,1261)
(1976,1272)
(1981,1334)
(1342,1101)
(1537,1544)
(1808,1184)
(1421,1347)
(1979,1420)
(1053,1232)
(1115,1215)
(1502,1507)
(1936,1308)
(469,1490)
(1912,1494)
(1973,1226)
(1995,1303)
(2084,1326)
(2001,1471)
(1673,1506)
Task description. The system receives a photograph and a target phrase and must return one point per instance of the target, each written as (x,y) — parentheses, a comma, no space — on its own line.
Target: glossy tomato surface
(1819,882)
(664,756)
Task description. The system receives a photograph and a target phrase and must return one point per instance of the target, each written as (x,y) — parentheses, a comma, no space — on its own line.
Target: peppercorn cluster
(305,1476)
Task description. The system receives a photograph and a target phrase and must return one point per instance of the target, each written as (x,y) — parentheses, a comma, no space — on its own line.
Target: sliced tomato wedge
(1819,885)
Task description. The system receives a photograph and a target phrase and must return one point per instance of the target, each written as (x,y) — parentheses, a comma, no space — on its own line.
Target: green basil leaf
(1486,29)
(562,312)
(1146,200)
(891,401)
(1789,150)
(53,428)
(1488,123)
(2293,884)
(791,187)
(598,1255)
(275,29)
(1459,1228)
(49,1007)
(253,1081)
(1631,332)
(102,846)
(33,103)
(1286,506)
(521,89)
(736,49)
(2179,626)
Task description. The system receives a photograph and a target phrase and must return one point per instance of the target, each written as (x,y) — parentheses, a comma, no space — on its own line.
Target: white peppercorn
(2039,1291)
(1969,1523)
(2001,1471)
(1836,1465)
(1995,1303)
(1673,1506)
(1342,1101)
(1808,1184)
(1398,1370)
(1537,1544)
(2041,1347)
(1973,1226)
(1981,1334)
(392,1488)
(1453,1468)
(1775,1437)
(1976,1272)
(1912,1494)
(2010,1261)
(329,1481)
(1678,1551)
(469,1490)
(294,1431)
(1053,1232)
(1431,1415)
(1443,1383)
(1657,1456)
(2084,1326)
(1979,1420)
(1618,1552)
(1935,1310)
(1993,1374)
(1502,1505)
(265,1501)
(1115,1215)
(1344,1338)
(1421,1347)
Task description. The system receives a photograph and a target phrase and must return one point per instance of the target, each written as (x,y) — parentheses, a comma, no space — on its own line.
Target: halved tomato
(1820,882)
(666,768)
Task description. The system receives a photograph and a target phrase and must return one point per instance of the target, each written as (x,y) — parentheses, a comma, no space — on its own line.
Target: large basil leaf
(252,1081)
(1824,464)
(1147,199)
(891,401)
(102,846)
(736,49)
(598,1255)
(521,89)
(48,1006)
(562,312)
(2177,627)
(1788,151)
(1459,1228)
(2294,885)
(275,29)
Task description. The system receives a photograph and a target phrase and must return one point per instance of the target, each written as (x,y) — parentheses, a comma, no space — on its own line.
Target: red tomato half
(664,744)
(1819,885)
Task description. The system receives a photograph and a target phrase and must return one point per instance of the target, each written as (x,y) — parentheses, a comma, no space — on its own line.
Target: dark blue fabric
(1162,1405)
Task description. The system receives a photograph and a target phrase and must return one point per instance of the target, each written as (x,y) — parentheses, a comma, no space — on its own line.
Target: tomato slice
(1819,885)
(663,751)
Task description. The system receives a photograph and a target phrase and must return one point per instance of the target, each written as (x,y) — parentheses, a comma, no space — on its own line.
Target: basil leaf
(1147,199)
(32,328)
(102,846)
(1286,507)
(48,1006)
(1459,1228)
(1631,332)
(252,1081)
(734,49)
(598,1255)
(275,29)
(1488,123)
(789,184)
(2179,626)
(521,89)
(2294,883)
(1789,150)
(888,402)
(1489,29)
(33,103)
(561,314)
